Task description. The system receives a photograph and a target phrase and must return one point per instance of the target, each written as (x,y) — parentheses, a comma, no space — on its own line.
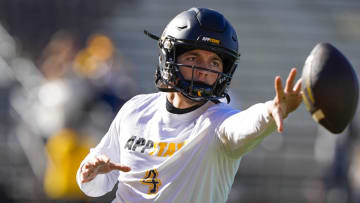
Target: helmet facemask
(170,79)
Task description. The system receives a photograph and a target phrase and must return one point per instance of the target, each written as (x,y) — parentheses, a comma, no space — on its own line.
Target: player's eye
(191,58)
(216,64)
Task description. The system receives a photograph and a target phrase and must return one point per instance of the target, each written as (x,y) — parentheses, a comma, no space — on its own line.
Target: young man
(181,144)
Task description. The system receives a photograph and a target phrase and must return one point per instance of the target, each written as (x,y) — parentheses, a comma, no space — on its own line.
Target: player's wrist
(273,106)
(270,106)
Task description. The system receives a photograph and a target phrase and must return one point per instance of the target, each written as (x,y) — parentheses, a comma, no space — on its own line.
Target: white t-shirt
(190,157)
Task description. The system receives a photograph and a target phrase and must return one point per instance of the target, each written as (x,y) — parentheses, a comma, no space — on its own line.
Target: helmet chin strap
(216,101)
(227,97)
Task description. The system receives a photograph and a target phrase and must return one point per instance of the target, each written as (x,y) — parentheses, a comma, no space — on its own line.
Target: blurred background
(66,67)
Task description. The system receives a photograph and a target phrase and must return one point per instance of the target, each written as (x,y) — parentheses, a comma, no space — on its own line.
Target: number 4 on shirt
(152,181)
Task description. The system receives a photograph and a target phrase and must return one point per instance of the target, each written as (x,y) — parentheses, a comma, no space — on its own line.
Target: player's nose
(200,75)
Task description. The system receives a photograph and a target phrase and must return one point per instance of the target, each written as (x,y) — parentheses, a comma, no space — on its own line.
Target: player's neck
(180,101)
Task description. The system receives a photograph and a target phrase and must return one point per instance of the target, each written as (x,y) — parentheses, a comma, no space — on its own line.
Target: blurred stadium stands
(304,164)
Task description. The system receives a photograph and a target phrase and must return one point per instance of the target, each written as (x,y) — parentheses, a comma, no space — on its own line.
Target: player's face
(203,59)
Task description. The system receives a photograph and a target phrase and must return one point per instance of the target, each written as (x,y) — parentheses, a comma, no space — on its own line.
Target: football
(330,87)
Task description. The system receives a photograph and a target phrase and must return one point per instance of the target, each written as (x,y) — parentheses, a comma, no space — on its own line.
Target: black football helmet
(196,28)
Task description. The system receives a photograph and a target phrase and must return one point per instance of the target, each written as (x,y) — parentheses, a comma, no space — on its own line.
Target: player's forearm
(242,132)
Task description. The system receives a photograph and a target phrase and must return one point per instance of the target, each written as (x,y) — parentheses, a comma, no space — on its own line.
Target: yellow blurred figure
(99,49)
(65,152)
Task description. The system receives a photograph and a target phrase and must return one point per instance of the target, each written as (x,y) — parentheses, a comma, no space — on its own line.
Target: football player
(181,144)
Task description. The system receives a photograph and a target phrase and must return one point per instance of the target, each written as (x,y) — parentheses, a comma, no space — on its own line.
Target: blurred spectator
(61,95)
(7,84)
(106,71)
(354,173)
(58,55)
(18,79)
(78,99)
(65,149)
(49,112)
(341,177)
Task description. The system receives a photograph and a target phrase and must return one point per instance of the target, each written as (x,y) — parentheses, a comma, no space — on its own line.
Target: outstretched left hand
(286,100)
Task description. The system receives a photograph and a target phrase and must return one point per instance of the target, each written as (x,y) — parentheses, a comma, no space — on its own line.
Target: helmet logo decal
(210,40)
